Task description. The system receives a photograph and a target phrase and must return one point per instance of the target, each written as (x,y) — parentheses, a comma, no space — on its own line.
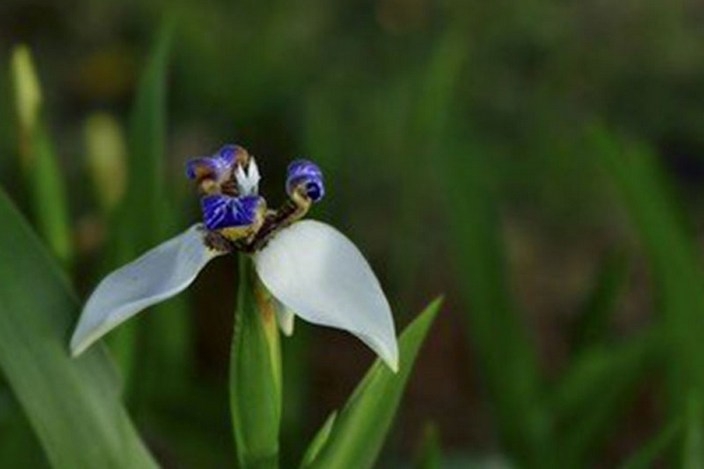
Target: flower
(311,269)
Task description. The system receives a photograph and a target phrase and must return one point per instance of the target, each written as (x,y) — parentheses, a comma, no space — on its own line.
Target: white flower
(309,267)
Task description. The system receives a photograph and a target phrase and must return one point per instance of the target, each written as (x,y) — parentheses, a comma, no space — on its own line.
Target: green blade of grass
(255,374)
(430,452)
(142,221)
(693,447)
(168,328)
(646,456)
(39,164)
(671,251)
(508,359)
(145,200)
(19,446)
(596,388)
(73,405)
(593,324)
(296,372)
(360,429)
(319,441)
(49,198)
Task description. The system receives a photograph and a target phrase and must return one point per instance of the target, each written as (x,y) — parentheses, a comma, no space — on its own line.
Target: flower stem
(255,374)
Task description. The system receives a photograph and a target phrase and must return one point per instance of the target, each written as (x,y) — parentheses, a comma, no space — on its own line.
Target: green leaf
(145,199)
(255,374)
(319,441)
(507,357)
(430,454)
(593,324)
(693,450)
(19,446)
(73,405)
(672,253)
(296,372)
(39,164)
(647,455)
(597,386)
(361,427)
(168,327)
(142,220)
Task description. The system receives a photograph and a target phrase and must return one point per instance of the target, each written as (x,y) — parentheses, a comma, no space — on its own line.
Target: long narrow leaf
(146,141)
(144,218)
(40,167)
(597,387)
(430,453)
(674,260)
(167,329)
(593,324)
(319,441)
(693,448)
(360,429)
(508,358)
(647,454)
(73,405)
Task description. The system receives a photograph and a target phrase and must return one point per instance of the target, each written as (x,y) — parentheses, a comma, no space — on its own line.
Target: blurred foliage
(80,421)
(40,169)
(538,162)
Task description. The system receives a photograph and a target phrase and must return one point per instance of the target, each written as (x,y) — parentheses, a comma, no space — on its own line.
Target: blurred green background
(539,163)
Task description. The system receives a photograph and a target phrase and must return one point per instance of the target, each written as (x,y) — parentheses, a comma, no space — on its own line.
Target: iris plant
(310,268)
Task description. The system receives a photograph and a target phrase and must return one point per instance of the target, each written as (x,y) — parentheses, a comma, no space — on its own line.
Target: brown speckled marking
(218,242)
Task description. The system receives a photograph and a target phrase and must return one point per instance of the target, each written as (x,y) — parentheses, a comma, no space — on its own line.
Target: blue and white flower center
(234,215)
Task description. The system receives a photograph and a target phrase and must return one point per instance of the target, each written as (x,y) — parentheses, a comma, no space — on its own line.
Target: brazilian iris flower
(311,269)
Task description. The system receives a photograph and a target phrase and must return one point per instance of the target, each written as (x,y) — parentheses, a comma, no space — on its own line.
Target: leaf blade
(361,427)
(73,405)
(596,388)
(508,357)
(41,170)
(672,253)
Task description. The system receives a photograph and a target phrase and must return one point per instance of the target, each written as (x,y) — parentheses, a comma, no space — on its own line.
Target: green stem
(255,374)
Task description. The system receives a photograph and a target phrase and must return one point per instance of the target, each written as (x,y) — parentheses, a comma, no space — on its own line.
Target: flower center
(235,217)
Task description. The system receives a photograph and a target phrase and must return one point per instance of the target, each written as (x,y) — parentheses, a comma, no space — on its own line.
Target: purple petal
(307,174)
(217,166)
(223,211)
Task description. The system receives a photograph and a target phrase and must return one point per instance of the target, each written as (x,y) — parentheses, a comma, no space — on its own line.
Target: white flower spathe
(312,269)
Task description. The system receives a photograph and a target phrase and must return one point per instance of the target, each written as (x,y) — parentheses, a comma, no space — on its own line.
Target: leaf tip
(431,311)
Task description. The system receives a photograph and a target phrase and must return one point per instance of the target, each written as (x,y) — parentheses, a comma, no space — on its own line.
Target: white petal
(157,275)
(322,277)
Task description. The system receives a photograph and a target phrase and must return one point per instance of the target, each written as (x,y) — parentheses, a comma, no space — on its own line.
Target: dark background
(454,137)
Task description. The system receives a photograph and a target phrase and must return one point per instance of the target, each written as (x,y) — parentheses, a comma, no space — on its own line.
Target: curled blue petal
(223,211)
(307,174)
(217,166)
